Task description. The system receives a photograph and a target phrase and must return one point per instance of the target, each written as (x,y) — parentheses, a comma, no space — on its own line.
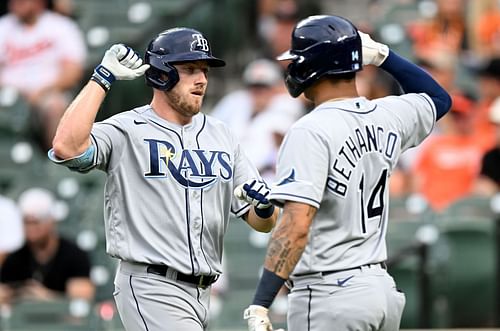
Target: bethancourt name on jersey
(369,139)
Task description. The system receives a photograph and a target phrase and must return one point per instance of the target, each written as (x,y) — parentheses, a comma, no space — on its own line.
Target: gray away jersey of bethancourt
(339,158)
(169,188)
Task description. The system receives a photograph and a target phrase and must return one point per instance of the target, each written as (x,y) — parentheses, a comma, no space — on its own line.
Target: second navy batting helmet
(172,46)
(321,45)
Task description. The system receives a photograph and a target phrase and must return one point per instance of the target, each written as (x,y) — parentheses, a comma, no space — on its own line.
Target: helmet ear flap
(162,79)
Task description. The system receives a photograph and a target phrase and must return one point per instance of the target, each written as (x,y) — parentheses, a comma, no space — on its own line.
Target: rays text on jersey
(196,168)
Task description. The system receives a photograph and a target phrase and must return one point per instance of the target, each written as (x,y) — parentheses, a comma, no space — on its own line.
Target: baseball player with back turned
(171,176)
(333,171)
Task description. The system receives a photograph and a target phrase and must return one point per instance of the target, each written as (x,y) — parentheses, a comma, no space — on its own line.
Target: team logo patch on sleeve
(289,179)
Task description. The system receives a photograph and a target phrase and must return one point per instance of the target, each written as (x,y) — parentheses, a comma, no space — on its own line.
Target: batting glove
(254,192)
(373,52)
(120,62)
(258,319)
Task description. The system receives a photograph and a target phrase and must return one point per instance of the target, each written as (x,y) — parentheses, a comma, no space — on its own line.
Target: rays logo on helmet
(199,43)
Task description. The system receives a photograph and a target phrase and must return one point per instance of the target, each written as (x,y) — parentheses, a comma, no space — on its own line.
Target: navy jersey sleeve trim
(414,79)
(275,199)
(433,112)
(96,154)
(240,212)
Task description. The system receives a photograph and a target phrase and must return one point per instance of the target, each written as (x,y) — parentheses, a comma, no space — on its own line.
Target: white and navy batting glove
(255,192)
(373,52)
(258,319)
(120,62)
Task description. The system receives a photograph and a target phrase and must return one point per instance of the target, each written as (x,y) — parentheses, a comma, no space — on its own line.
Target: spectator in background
(275,24)
(486,28)
(43,55)
(260,113)
(445,32)
(488,182)
(11,228)
(489,90)
(447,166)
(48,266)
(63,7)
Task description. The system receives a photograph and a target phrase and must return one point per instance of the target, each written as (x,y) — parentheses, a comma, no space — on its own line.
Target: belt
(290,283)
(381,264)
(329,272)
(200,280)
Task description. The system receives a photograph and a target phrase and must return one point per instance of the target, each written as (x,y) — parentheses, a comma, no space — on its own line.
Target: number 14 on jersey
(375,205)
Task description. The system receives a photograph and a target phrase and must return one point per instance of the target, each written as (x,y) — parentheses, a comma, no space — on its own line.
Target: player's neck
(327,91)
(164,110)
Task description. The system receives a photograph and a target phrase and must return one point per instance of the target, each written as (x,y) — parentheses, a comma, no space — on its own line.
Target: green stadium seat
(47,316)
(470,208)
(244,260)
(405,267)
(14,118)
(469,272)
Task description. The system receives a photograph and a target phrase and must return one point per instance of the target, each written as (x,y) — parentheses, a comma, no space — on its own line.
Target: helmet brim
(212,61)
(286,56)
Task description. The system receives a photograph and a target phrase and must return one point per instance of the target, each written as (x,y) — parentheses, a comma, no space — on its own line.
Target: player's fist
(373,52)
(258,319)
(123,62)
(120,62)
(254,192)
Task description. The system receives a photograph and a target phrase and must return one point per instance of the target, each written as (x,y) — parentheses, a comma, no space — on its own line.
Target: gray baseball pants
(360,299)
(149,302)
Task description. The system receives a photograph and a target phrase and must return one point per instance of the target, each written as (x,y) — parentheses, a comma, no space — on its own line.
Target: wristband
(268,288)
(264,213)
(104,87)
(103,77)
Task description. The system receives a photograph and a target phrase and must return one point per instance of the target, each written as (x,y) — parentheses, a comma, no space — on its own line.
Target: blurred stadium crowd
(54,273)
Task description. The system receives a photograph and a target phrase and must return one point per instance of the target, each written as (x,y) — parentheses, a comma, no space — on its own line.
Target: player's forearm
(262,224)
(287,244)
(73,133)
(285,249)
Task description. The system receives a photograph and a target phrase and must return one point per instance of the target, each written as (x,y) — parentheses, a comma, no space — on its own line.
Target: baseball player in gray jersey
(172,173)
(333,169)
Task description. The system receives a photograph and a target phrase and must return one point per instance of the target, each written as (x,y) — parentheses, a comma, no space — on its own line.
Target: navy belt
(200,280)
(329,272)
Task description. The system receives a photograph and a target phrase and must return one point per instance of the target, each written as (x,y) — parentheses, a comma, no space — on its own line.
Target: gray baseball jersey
(169,188)
(339,158)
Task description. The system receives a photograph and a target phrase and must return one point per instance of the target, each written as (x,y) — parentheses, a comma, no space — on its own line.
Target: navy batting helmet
(321,45)
(172,46)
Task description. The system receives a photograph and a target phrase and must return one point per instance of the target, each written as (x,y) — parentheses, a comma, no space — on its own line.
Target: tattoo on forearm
(283,253)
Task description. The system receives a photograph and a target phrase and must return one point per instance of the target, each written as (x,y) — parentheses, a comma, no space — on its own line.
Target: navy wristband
(100,83)
(268,288)
(264,213)
(103,76)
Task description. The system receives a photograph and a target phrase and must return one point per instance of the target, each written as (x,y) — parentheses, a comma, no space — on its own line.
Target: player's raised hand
(254,192)
(120,62)
(373,52)
(258,319)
